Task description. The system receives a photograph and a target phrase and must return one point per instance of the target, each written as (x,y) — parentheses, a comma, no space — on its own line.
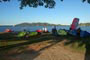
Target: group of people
(74,29)
(45,30)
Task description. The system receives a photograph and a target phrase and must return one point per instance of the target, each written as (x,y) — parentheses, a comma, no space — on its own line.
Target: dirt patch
(44,51)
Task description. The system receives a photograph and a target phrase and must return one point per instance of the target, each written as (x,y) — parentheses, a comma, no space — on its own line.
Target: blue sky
(63,13)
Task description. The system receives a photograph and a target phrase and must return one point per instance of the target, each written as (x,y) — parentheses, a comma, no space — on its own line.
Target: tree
(36,3)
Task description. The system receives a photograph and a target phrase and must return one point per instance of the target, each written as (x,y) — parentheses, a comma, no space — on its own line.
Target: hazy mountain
(84,24)
(36,24)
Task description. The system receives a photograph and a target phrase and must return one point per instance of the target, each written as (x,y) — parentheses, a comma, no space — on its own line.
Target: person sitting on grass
(54,31)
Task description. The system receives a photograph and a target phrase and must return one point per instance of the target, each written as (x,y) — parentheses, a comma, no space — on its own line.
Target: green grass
(76,47)
(6,43)
(72,42)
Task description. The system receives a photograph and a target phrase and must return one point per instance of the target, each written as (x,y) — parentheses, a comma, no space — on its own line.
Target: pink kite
(74,24)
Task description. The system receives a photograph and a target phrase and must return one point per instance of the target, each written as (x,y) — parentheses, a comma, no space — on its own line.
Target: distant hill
(6,25)
(42,24)
(47,24)
(84,24)
(37,24)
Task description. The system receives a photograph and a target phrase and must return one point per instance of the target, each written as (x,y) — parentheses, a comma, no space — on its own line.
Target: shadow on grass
(22,53)
(31,40)
(81,42)
(31,53)
(70,40)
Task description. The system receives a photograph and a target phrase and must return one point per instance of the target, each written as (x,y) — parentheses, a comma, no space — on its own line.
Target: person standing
(45,29)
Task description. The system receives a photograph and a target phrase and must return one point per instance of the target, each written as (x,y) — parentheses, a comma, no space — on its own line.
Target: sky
(63,13)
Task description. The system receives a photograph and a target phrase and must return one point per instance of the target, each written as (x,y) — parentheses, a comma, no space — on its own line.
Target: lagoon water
(34,28)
